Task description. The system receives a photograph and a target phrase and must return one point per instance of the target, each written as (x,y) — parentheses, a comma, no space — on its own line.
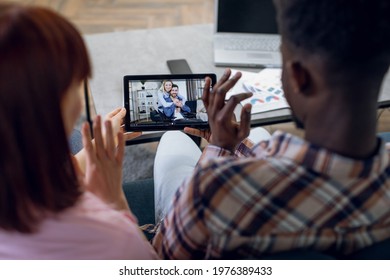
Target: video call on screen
(247,16)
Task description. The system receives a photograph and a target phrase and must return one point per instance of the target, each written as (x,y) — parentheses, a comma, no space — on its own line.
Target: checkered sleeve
(244,149)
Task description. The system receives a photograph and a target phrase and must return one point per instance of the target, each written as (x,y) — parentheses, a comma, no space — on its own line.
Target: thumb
(193,131)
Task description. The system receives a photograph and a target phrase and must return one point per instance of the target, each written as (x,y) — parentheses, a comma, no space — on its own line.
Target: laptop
(149,109)
(246,34)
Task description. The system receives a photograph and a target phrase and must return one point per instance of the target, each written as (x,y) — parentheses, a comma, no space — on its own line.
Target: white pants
(176,157)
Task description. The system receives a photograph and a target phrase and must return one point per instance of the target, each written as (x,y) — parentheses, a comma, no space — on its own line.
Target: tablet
(165,102)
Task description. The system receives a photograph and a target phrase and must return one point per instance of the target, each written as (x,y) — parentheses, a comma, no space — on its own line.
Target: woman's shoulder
(91,229)
(92,207)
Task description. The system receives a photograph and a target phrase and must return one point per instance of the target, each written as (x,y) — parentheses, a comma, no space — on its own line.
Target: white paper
(266,87)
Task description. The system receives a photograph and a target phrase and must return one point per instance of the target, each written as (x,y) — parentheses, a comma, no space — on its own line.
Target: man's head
(174,91)
(338,44)
(345,31)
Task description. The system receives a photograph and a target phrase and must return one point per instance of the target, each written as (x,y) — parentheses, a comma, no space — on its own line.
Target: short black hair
(345,31)
(175,85)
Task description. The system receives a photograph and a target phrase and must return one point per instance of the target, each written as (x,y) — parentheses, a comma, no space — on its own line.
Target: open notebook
(266,87)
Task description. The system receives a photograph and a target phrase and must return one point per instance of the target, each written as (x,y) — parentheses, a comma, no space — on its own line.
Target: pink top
(89,230)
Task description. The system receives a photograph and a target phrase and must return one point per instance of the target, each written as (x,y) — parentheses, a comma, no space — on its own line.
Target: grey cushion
(140,195)
(75,141)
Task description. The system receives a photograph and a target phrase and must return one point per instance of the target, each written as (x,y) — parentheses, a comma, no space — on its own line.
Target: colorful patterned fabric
(279,195)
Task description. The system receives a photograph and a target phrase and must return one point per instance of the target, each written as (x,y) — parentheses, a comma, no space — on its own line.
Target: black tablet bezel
(159,127)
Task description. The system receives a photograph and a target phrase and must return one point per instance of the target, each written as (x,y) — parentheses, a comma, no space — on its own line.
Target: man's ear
(299,77)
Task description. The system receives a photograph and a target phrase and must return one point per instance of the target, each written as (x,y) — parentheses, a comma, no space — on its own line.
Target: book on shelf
(266,87)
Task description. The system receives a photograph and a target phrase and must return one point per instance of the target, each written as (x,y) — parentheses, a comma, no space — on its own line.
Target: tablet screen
(165,102)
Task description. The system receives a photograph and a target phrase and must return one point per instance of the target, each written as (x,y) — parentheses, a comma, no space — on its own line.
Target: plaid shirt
(279,195)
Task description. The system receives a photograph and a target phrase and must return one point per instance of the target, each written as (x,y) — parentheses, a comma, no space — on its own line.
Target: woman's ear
(299,77)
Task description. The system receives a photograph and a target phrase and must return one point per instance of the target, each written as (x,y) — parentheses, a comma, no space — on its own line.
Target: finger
(245,124)
(220,94)
(86,136)
(113,113)
(234,119)
(231,104)
(131,135)
(97,130)
(216,88)
(121,116)
(225,76)
(205,134)
(110,141)
(121,148)
(117,116)
(193,131)
(206,92)
(87,142)
(122,128)
(122,113)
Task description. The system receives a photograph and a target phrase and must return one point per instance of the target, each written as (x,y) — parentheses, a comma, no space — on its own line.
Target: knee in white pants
(259,134)
(176,158)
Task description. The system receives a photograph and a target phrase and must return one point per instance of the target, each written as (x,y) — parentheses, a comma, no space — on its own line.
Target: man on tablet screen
(179,107)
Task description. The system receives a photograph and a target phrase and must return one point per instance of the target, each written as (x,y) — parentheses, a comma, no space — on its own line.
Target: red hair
(41,55)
